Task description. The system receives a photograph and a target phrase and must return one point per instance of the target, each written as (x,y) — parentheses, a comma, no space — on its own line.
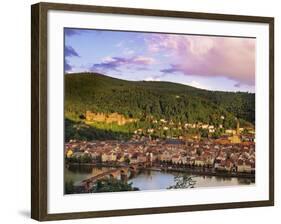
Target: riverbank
(193,171)
(205,173)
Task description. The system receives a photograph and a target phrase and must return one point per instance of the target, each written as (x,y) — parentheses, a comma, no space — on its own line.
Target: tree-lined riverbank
(154,178)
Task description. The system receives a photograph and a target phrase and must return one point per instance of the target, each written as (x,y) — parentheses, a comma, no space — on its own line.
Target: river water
(154,180)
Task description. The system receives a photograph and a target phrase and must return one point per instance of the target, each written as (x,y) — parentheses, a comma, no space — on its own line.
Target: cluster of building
(165,125)
(216,155)
(180,131)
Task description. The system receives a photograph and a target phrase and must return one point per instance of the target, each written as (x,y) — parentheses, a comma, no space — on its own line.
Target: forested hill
(142,99)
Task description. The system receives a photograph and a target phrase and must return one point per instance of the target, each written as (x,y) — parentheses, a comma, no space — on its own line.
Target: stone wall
(108,118)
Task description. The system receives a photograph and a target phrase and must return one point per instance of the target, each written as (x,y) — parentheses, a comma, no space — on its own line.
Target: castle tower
(237,127)
(236,137)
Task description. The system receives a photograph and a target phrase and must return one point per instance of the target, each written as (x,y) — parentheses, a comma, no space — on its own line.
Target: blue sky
(214,63)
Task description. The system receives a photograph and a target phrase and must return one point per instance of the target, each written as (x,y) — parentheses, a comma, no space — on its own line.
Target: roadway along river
(154,180)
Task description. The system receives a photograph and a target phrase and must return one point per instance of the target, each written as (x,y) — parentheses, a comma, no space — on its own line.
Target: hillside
(144,100)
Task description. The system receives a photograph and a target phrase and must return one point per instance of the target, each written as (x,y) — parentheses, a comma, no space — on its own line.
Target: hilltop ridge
(135,99)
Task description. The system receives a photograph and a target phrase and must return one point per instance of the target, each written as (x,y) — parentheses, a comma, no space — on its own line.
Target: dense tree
(183,181)
(146,101)
(112,185)
(69,187)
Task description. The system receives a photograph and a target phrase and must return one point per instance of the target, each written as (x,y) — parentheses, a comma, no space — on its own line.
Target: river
(154,180)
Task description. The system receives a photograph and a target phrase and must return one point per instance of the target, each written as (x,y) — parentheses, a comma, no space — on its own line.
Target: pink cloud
(142,60)
(230,57)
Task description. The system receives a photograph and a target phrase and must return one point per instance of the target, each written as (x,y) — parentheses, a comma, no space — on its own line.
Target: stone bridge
(123,173)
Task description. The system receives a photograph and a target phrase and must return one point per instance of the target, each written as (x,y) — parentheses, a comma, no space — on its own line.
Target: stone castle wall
(108,118)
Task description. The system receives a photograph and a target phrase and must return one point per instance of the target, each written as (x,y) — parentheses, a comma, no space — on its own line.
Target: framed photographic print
(139,111)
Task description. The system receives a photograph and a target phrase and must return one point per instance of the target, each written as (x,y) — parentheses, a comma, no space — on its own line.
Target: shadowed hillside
(148,100)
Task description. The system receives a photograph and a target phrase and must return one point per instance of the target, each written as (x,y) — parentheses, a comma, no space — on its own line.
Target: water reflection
(153,180)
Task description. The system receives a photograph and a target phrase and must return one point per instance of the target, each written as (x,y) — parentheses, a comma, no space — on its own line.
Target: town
(207,156)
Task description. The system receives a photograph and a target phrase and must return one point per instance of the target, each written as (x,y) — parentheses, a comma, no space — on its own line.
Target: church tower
(236,137)
(237,127)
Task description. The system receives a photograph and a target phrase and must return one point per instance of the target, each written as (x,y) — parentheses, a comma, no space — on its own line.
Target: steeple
(237,127)
(236,137)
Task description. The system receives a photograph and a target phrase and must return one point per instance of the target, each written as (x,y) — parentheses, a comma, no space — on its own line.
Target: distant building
(243,167)
(236,137)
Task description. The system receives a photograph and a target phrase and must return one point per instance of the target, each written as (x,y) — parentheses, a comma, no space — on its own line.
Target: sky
(207,62)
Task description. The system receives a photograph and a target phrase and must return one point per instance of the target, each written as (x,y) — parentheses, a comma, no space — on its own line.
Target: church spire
(237,127)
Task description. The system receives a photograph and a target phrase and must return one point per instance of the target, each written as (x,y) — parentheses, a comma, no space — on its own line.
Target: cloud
(128,51)
(172,69)
(120,44)
(142,68)
(151,79)
(114,63)
(71,32)
(237,85)
(70,52)
(197,85)
(142,60)
(67,66)
(208,56)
